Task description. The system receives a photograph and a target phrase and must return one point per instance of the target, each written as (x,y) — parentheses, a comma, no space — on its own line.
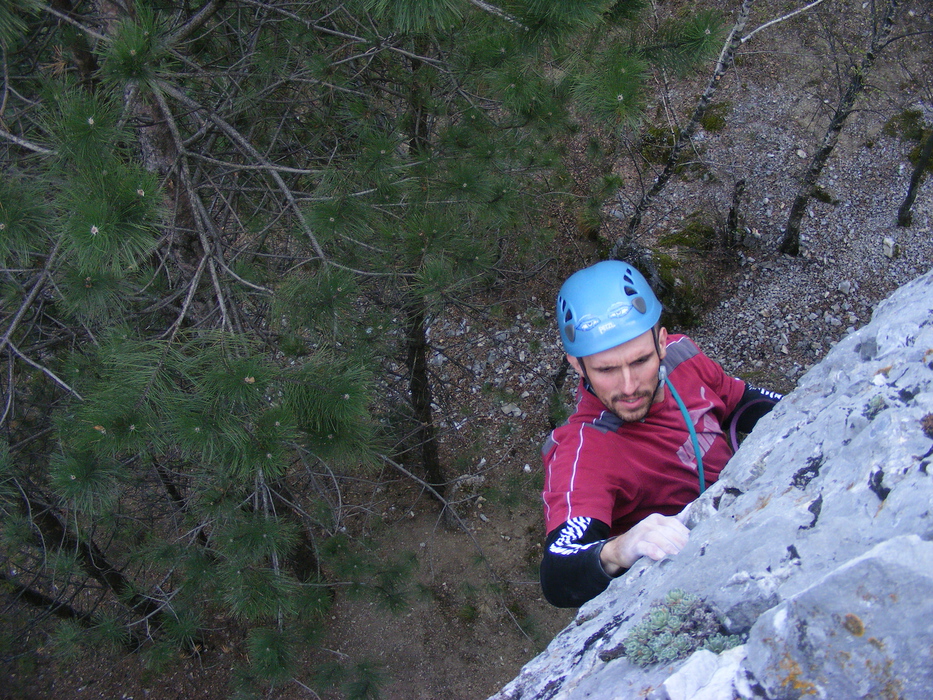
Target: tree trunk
(53,606)
(790,243)
(421,398)
(903,214)
(419,142)
(733,224)
(420,127)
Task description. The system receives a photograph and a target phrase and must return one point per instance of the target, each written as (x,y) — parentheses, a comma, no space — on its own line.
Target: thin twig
(298,682)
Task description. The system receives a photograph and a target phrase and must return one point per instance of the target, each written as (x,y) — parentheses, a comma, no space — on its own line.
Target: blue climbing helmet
(603,306)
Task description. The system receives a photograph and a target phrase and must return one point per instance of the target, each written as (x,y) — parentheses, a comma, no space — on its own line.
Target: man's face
(625,377)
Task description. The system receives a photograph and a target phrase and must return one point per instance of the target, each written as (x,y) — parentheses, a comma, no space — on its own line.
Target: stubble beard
(635,415)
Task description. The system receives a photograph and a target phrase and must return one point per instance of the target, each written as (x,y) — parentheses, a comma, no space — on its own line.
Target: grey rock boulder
(863,631)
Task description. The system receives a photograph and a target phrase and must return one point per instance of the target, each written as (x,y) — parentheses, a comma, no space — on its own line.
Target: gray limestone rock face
(814,545)
(863,631)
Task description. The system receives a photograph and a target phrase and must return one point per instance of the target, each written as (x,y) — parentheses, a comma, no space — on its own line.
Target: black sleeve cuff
(571,572)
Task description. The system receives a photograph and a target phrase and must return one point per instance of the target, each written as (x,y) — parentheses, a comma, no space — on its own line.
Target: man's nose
(629,385)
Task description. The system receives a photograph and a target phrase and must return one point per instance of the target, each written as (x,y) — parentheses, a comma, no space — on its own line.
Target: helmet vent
(630,291)
(570,332)
(639,305)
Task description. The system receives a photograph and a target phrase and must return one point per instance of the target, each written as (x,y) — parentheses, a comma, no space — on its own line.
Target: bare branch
(70,20)
(497,11)
(244,166)
(192,288)
(26,144)
(722,65)
(33,293)
(779,19)
(195,23)
(45,370)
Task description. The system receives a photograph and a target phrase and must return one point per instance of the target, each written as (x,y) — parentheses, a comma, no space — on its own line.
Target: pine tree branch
(247,283)
(194,23)
(40,600)
(261,168)
(8,403)
(202,217)
(248,148)
(172,330)
(498,12)
(384,42)
(91,559)
(225,321)
(72,21)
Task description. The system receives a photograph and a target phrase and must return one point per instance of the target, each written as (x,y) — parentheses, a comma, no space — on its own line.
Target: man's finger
(661,544)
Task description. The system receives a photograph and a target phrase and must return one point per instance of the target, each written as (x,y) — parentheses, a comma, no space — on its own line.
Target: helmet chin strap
(586,377)
(662,370)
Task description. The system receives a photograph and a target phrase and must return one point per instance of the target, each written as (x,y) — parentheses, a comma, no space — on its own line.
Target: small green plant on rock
(675,628)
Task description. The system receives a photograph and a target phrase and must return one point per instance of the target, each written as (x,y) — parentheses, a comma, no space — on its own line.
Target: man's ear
(662,342)
(575,363)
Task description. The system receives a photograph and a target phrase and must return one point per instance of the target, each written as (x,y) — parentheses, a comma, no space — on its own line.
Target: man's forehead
(626,352)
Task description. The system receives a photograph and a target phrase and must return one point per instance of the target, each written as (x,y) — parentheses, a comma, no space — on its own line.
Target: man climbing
(648,435)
